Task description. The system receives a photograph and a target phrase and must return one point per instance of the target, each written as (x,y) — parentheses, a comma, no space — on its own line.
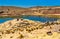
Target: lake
(5,19)
(34,18)
(40,18)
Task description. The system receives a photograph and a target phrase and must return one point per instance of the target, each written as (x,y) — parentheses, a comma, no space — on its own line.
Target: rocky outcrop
(16,11)
(28,29)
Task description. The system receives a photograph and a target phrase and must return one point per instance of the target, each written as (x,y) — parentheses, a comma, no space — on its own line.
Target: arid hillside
(28,29)
(16,11)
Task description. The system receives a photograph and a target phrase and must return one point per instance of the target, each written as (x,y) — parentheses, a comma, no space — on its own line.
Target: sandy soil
(28,29)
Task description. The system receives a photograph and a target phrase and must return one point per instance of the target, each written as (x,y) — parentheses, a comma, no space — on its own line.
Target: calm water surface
(5,19)
(41,19)
(35,18)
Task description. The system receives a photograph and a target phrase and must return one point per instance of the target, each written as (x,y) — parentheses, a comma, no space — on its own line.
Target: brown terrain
(28,29)
(38,10)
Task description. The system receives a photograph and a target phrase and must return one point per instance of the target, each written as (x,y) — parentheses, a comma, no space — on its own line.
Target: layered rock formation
(16,11)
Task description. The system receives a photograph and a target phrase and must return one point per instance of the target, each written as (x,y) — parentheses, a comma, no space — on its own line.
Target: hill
(38,10)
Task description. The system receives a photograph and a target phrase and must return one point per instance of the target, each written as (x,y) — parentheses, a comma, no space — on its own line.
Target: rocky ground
(28,29)
(38,10)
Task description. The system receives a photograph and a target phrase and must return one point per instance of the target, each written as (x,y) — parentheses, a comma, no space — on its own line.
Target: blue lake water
(5,19)
(35,18)
(41,19)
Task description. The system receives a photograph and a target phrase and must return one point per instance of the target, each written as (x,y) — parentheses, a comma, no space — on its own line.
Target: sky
(29,3)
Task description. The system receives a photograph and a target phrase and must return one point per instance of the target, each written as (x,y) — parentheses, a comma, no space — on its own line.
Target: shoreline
(24,29)
(43,15)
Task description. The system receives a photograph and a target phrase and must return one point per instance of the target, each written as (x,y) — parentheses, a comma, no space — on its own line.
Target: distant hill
(37,10)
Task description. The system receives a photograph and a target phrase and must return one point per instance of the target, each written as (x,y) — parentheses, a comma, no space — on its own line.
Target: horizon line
(29,6)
